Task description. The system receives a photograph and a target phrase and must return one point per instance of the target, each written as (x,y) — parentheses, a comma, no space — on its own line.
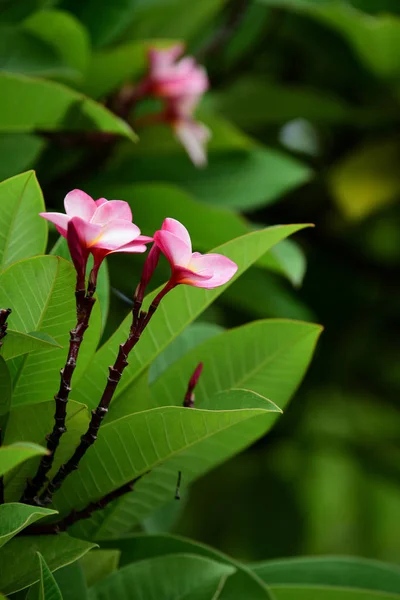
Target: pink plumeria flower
(191,268)
(99,227)
(192,134)
(169,77)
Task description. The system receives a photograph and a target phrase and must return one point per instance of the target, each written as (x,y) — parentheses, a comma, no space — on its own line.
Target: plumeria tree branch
(4,314)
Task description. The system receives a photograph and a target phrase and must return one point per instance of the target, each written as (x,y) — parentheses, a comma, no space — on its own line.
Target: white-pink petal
(112,210)
(174,248)
(79,204)
(116,234)
(223,268)
(59,219)
(175,227)
(193,137)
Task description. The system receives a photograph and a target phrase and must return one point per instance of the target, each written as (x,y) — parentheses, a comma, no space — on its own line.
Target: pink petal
(189,277)
(79,253)
(116,234)
(112,210)
(174,248)
(59,219)
(100,201)
(193,137)
(222,268)
(175,227)
(131,248)
(88,233)
(144,239)
(79,204)
(159,59)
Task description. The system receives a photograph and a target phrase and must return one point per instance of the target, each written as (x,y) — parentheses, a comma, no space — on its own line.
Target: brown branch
(139,323)
(1,477)
(84,306)
(4,314)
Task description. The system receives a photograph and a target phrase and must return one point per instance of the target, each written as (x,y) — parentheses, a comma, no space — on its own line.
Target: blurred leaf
(248,357)
(14,454)
(268,103)
(52,107)
(24,234)
(183,306)
(11,11)
(65,34)
(23,52)
(57,551)
(316,593)
(47,588)
(170,577)
(367,179)
(99,564)
(19,343)
(242,584)
(5,388)
(14,517)
(32,423)
(109,68)
(40,291)
(333,571)
(71,581)
(151,203)
(18,152)
(60,248)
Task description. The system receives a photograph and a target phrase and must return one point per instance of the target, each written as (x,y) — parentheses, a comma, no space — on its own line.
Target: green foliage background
(304,110)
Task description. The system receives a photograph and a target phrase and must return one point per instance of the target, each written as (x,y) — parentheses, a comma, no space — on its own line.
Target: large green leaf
(71,581)
(16,453)
(5,388)
(46,588)
(14,517)
(19,343)
(41,293)
(177,310)
(316,593)
(333,571)
(52,107)
(151,203)
(99,564)
(241,178)
(66,35)
(23,233)
(19,563)
(33,423)
(18,152)
(242,584)
(170,577)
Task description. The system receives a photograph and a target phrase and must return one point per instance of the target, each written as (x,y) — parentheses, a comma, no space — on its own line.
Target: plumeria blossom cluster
(180,83)
(101,227)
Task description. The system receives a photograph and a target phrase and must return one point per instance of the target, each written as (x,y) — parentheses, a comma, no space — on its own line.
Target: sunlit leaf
(14,517)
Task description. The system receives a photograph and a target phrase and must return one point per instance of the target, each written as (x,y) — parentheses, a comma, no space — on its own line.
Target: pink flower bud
(191,268)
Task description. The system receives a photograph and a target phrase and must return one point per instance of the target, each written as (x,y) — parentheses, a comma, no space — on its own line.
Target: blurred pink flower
(192,134)
(99,227)
(191,268)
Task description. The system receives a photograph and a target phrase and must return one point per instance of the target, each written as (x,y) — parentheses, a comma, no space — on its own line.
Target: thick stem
(84,306)
(139,322)
(4,314)
(85,513)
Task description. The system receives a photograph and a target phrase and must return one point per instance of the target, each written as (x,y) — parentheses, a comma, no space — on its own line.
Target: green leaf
(23,233)
(271,103)
(32,423)
(170,577)
(242,179)
(65,35)
(41,293)
(177,311)
(368,179)
(242,584)
(46,588)
(52,107)
(19,343)
(18,152)
(60,248)
(14,454)
(57,551)
(248,357)
(99,564)
(71,581)
(153,202)
(14,517)
(5,388)
(317,592)
(11,11)
(333,571)
(109,68)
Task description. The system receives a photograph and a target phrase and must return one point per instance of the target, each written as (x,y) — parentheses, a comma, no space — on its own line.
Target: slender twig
(139,323)
(77,515)
(1,477)
(84,306)
(189,396)
(4,314)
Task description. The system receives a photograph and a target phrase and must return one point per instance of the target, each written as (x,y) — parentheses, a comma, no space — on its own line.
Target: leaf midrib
(13,217)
